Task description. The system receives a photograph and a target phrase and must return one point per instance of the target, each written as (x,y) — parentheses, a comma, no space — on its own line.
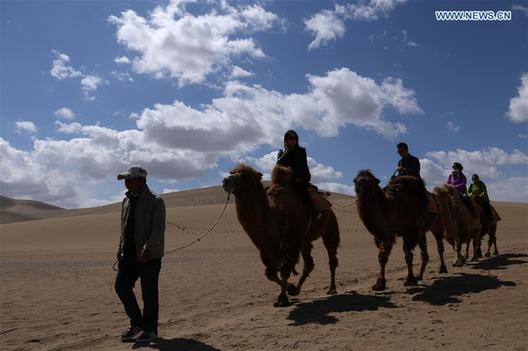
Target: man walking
(141,246)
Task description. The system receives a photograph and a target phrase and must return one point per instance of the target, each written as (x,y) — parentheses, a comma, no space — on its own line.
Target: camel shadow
(176,344)
(318,311)
(447,290)
(500,262)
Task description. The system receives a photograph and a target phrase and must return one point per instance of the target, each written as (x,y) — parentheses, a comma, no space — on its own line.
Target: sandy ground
(56,291)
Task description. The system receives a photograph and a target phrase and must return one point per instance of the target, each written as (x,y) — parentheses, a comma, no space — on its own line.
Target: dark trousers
(127,275)
(301,187)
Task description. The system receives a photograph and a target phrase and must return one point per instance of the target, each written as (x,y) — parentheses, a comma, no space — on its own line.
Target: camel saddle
(319,199)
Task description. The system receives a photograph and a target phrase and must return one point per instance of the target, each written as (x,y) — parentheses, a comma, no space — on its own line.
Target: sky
(188,89)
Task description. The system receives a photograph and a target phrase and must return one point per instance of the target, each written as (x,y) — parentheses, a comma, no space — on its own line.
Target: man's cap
(133,172)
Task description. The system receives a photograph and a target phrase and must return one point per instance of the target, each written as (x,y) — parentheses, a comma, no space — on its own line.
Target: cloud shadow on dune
(318,311)
(177,344)
(501,261)
(447,290)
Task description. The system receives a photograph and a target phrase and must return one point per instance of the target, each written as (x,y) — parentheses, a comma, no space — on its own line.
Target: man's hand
(145,255)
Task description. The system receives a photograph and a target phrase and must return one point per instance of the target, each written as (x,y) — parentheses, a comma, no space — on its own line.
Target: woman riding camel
(458,180)
(478,189)
(294,156)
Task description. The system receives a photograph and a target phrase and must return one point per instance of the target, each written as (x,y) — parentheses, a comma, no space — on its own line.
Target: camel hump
(319,199)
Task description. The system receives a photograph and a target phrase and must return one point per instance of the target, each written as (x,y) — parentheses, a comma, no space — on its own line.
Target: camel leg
(331,242)
(493,237)
(408,251)
(271,271)
(308,268)
(439,237)
(422,242)
(385,248)
(282,299)
(477,253)
(461,260)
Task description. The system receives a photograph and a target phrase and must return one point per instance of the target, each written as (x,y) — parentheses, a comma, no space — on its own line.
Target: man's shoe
(146,337)
(130,334)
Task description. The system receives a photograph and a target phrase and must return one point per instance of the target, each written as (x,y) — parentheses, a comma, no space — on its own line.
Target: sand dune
(12,210)
(57,289)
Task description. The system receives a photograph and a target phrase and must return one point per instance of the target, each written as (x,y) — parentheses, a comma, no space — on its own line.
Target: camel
(489,226)
(392,212)
(279,226)
(460,224)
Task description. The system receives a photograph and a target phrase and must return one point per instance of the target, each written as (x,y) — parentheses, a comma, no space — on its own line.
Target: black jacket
(410,165)
(297,160)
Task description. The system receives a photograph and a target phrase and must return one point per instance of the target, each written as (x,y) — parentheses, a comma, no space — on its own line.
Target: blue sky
(188,89)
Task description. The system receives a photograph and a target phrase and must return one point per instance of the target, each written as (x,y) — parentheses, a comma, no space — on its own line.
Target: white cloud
(122,76)
(25,126)
(518,111)
(509,189)
(61,70)
(60,67)
(170,190)
(174,43)
(248,116)
(65,113)
(370,10)
(521,8)
(121,59)
(326,26)
(239,72)
(453,127)
(406,41)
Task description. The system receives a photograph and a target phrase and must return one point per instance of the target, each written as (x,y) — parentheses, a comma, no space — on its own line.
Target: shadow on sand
(176,344)
(446,290)
(500,262)
(318,311)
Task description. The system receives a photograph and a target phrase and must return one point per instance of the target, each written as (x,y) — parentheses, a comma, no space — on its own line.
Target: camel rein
(200,237)
(337,205)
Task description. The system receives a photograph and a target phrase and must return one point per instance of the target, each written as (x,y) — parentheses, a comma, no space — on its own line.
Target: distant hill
(12,210)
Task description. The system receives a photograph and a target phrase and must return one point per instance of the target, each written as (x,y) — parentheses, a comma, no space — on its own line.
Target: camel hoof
(459,263)
(474,259)
(293,290)
(410,281)
(331,291)
(282,301)
(419,278)
(379,286)
(488,254)
(496,253)
(443,269)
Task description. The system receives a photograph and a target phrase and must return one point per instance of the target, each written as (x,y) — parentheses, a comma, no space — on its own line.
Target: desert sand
(57,292)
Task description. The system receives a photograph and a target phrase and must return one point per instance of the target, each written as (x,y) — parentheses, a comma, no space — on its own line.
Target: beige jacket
(149,226)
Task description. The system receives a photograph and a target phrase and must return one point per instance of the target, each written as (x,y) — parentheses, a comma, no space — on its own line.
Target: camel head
(365,183)
(242,179)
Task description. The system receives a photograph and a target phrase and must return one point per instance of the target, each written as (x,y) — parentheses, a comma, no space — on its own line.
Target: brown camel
(278,225)
(460,224)
(489,226)
(392,212)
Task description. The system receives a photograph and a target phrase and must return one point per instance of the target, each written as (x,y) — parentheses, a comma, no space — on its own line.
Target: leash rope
(191,243)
